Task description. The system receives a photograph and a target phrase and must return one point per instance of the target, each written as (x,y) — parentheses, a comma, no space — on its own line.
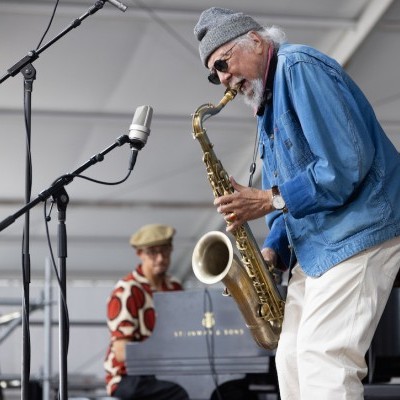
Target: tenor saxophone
(249,280)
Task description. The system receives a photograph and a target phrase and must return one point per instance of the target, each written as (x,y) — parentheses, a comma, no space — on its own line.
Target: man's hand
(270,255)
(245,204)
(271,258)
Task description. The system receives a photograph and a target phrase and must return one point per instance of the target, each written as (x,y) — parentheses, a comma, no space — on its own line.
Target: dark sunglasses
(220,65)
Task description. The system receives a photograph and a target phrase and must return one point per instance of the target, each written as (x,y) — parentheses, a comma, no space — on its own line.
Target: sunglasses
(220,65)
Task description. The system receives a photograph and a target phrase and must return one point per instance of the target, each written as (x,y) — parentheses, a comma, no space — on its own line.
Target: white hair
(272,34)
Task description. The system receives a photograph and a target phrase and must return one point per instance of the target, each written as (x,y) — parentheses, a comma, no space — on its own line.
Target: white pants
(329,323)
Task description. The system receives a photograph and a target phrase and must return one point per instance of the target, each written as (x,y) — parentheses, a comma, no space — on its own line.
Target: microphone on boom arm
(139,131)
(118,4)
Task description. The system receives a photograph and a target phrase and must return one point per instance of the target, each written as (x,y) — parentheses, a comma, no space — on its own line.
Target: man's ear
(256,38)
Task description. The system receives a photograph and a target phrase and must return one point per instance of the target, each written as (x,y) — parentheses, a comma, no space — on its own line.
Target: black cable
(28,151)
(25,313)
(253,164)
(25,238)
(207,308)
(26,339)
(48,26)
(68,177)
(47,218)
(95,180)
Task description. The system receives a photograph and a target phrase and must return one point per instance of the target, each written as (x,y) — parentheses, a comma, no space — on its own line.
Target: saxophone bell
(212,257)
(214,261)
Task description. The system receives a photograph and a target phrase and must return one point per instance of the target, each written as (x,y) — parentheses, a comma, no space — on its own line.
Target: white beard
(253,96)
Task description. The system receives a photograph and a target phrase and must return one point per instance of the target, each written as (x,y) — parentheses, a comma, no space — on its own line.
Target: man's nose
(225,77)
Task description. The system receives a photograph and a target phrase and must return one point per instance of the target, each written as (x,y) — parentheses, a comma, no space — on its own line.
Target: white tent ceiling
(88,86)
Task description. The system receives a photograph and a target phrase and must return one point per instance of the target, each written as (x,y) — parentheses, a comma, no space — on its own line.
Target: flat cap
(217,26)
(152,235)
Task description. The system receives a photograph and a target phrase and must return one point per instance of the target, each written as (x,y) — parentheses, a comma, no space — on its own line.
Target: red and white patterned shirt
(131,315)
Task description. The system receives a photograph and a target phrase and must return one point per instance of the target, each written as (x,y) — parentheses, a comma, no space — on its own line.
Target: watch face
(278,202)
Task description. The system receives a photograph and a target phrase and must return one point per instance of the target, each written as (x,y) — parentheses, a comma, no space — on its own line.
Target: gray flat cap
(217,26)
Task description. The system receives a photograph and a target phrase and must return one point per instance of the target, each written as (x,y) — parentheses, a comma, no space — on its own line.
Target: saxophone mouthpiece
(231,92)
(235,89)
(229,95)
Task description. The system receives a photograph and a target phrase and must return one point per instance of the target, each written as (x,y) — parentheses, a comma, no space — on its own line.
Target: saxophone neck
(206,111)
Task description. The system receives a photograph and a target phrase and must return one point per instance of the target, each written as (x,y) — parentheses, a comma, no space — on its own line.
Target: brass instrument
(249,282)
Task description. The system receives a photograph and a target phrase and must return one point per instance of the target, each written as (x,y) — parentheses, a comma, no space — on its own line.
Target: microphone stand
(29,74)
(60,196)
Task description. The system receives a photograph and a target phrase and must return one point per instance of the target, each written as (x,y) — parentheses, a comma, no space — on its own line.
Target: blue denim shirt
(339,174)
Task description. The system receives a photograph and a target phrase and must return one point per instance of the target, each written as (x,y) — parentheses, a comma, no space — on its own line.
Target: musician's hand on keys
(244,204)
(271,258)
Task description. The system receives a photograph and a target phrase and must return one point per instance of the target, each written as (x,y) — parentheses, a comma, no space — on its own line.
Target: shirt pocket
(293,153)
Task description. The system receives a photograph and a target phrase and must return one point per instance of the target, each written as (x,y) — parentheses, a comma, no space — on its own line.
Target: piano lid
(193,329)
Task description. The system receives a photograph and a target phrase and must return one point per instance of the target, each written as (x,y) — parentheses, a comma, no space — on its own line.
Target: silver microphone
(117,4)
(139,130)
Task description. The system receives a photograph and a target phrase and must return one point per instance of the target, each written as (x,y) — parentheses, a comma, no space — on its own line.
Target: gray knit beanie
(217,26)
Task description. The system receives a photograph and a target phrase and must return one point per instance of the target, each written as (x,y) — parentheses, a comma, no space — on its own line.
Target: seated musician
(131,315)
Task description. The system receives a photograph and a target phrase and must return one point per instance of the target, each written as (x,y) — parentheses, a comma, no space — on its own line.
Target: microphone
(139,130)
(117,4)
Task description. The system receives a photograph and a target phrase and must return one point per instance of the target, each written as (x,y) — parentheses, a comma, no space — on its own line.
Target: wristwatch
(277,200)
